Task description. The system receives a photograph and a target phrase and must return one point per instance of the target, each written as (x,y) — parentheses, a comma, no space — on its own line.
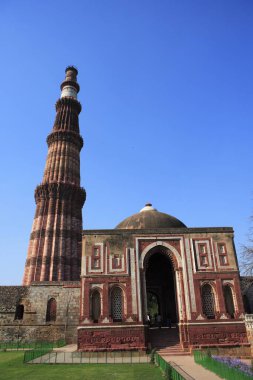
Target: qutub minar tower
(54,252)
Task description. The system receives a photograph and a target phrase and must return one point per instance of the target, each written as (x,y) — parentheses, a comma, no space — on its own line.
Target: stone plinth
(111,338)
(217,334)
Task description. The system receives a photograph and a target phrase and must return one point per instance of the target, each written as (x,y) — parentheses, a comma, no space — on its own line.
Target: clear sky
(167,96)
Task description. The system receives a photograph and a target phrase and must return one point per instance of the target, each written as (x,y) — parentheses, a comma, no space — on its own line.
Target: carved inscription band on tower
(54,252)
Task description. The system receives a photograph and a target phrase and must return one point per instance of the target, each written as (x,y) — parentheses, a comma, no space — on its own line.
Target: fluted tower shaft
(54,252)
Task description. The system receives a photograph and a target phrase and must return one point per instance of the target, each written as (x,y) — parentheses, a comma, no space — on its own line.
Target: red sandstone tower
(54,252)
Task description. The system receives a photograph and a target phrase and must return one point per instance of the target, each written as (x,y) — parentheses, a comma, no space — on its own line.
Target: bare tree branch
(247,258)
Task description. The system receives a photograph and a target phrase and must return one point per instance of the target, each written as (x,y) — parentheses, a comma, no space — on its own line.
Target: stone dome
(149,218)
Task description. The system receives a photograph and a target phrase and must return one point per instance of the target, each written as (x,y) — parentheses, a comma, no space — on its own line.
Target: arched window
(116,304)
(51,310)
(95,306)
(19,312)
(229,302)
(207,298)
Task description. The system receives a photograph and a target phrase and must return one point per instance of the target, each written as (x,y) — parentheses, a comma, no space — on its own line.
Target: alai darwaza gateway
(152,281)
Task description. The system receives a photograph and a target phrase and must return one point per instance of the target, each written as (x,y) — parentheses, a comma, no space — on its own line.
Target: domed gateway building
(153,282)
(150,282)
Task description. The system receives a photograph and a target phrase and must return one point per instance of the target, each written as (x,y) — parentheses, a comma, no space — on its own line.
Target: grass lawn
(12,367)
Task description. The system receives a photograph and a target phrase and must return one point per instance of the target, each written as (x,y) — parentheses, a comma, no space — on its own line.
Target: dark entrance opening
(153,306)
(160,288)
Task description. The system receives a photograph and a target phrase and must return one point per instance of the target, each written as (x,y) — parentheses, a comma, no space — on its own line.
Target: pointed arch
(170,251)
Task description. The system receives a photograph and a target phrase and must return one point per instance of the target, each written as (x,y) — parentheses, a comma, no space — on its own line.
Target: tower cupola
(70,87)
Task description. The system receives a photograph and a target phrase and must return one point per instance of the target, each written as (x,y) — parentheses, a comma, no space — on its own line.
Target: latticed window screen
(51,310)
(229,302)
(207,301)
(95,306)
(117,304)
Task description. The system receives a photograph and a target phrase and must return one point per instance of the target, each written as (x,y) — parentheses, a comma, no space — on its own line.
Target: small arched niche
(95,305)
(19,314)
(51,310)
(229,301)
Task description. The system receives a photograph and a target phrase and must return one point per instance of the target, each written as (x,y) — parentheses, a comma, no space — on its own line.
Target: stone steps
(166,342)
(174,349)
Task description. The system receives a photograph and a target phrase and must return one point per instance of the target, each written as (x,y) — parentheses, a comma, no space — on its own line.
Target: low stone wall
(34,298)
(29,333)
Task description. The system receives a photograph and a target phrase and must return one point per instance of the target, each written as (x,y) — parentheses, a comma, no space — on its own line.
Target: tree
(247,255)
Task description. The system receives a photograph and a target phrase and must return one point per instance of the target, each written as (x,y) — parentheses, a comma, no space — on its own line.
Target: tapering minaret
(54,252)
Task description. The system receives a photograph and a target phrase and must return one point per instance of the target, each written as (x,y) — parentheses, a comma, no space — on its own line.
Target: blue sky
(167,96)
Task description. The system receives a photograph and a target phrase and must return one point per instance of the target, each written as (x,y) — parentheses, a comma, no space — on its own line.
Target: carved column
(106,305)
(220,295)
(238,295)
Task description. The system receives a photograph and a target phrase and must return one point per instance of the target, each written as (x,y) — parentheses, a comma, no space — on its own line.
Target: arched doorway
(160,286)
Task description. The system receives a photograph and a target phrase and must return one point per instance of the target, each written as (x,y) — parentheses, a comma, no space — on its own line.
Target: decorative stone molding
(169,250)
(76,106)
(97,286)
(70,137)
(62,191)
(86,321)
(105,320)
